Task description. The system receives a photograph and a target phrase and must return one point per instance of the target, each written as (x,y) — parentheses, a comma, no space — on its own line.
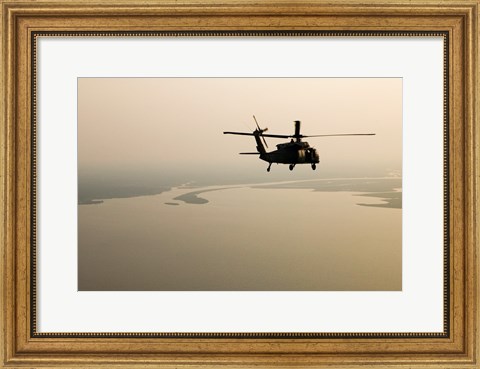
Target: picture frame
(23,346)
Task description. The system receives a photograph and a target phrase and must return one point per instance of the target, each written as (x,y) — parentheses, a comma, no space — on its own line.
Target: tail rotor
(261,131)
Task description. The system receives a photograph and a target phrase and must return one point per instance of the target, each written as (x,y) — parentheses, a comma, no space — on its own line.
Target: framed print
(343,235)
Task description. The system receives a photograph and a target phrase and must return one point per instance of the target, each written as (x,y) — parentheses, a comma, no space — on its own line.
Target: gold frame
(23,347)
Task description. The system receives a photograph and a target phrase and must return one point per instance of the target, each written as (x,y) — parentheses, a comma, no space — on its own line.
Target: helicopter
(294,152)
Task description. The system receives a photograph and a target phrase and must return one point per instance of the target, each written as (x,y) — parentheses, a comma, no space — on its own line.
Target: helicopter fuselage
(292,153)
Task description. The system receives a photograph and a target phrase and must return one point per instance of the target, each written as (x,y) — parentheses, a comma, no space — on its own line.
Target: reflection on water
(301,236)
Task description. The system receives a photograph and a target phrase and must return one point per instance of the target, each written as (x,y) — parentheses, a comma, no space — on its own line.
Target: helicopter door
(301,156)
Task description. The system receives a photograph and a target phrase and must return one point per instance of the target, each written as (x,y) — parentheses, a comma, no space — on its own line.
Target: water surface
(274,237)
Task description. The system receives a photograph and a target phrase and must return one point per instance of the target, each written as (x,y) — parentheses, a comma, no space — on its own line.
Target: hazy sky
(150,123)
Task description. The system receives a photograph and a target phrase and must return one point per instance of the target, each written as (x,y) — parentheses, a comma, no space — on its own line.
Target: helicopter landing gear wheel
(314,166)
(291,166)
(269,165)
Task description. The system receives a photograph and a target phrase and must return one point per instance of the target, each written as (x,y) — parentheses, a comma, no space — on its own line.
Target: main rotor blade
(252,134)
(274,136)
(301,136)
(238,133)
(341,134)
